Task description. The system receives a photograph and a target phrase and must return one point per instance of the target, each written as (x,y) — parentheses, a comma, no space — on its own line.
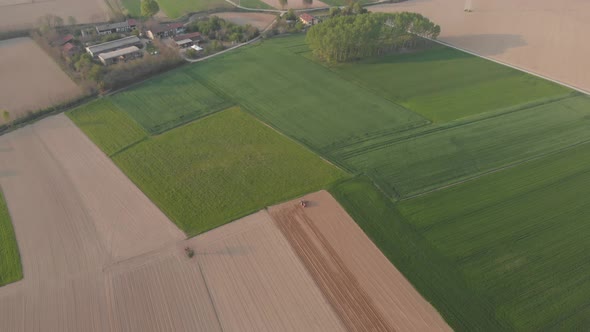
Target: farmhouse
(126,26)
(194,36)
(69,49)
(166,30)
(123,54)
(307,19)
(184,43)
(113,45)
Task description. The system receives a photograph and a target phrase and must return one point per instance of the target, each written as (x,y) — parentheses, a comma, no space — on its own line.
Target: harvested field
(510,31)
(30,79)
(366,290)
(23,14)
(258,20)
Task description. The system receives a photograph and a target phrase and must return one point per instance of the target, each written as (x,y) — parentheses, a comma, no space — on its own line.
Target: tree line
(349,37)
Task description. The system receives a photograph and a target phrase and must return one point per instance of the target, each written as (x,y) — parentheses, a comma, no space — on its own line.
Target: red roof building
(307,19)
(194,36)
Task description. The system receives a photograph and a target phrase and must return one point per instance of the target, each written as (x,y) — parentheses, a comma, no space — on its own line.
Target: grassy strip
(177,8)
(10,265)
(434,276)
(109,128)
(222,167)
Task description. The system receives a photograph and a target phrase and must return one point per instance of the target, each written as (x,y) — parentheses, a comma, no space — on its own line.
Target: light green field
(111,129)
(10,266)
(422,161)
(519,238)
(177,8)
(220,168)
(444,84)
(168,101)
(133,7)
(300,98)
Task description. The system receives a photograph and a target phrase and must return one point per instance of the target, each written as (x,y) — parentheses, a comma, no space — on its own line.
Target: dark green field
(302,99)
(444,84)
(168,101)
(225,166)
(420,161)
(10,266)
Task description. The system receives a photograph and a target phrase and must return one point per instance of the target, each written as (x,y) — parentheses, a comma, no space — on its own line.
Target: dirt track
(543,36)
(23,14)
(30,79)
(368,292)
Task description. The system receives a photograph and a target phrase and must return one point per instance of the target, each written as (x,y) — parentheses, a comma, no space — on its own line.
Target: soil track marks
(368,292)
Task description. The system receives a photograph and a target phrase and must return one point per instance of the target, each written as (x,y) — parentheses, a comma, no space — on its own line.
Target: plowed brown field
(30,79)
(366,290)
(543,36)
(22,14)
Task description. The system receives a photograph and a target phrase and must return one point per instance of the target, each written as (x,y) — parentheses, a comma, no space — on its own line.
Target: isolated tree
(283,3)
(6,116)
(307,3)
(72,20)
(290,16)
(149,8)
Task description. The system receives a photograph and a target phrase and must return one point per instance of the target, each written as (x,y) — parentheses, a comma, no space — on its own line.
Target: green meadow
(10,265)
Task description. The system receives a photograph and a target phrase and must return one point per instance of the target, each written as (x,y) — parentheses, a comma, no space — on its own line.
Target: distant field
(109,128)
(302,99)
(220,168)
(168,101)
(10,266)
(432,158)
(519,238)
(444,84)
(177,8)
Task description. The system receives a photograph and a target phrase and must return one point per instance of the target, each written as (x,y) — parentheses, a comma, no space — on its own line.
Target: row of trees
(216,28)
(346,38)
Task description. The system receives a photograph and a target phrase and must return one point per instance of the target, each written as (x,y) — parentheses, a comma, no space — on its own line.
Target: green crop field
(302,99)
(519,238)
(444,84)
(422,161)
(169,100)
(133,7)
(433,275)
(177,8)
(222,167)
(111,129)
(10,266)
(256,4)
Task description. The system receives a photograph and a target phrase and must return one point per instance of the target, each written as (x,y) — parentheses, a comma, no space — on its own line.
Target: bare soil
(24,14)
(99,256)
(543,36)
(366,290)
(30,80)
(258,20)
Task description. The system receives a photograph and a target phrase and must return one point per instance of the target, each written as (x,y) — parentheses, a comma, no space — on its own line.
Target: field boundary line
(209,294)
(496,170)
(567,85)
